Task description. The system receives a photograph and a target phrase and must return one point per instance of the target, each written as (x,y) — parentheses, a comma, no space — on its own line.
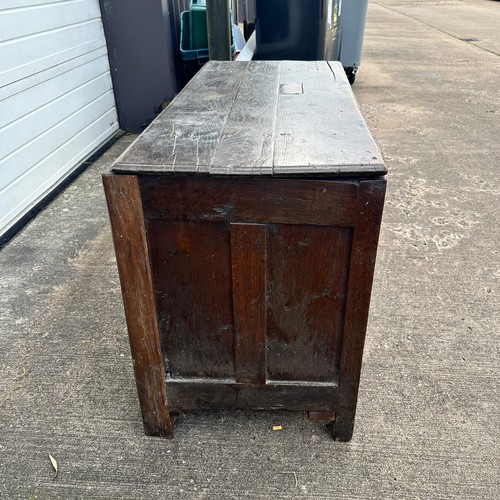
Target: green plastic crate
(188,52)
(198,37)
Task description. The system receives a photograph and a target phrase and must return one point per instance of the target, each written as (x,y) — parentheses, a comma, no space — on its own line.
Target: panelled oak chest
(245,221)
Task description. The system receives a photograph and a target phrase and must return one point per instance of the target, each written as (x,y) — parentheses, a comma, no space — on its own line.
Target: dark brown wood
(262,200)
(129,237)
(306,282)
(321,416)
(192,279)
(248,259)
(185,395)
(255,282)
(362,265)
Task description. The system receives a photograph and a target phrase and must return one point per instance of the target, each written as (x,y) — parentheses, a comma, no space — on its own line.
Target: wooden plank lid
(283,118)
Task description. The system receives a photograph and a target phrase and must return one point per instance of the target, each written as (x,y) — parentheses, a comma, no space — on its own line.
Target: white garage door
(56,99)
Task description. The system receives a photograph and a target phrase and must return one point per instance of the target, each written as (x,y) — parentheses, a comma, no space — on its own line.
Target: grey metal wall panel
(141,56)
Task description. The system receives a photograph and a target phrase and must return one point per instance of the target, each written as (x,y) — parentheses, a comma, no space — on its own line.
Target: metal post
(219,30)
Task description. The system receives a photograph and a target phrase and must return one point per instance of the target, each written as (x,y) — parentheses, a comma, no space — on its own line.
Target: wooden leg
(365,239)
(132,256)
(343,426)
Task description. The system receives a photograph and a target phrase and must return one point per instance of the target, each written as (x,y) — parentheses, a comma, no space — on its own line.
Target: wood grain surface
(248,259)
(361,269)
(307,268)
(186,395)
(192,280)
(258,200)
(241,119)
(260,283)
(247,142)
(129,237)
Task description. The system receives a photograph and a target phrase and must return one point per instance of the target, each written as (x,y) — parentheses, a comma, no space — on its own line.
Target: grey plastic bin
(350,33)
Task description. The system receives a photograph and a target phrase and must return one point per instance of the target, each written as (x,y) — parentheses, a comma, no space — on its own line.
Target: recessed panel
(192,280)
(307,269)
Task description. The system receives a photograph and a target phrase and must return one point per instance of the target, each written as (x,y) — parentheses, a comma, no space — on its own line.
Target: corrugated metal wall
(56,98)
(175,7)
(245,11)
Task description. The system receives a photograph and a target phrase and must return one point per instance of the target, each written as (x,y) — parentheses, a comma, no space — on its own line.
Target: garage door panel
(56,100)
(25,56)
(48,17)
(20,105)
(16,4)
(20,86)
(19,161)
(20,132)
(42,177)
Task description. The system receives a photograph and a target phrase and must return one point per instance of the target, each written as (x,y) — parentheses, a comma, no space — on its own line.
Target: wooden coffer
(246,288)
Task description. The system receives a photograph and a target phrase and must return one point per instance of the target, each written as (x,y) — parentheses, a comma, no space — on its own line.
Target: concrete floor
(427,424)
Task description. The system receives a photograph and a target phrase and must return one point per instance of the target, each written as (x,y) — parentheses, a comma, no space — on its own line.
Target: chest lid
(282,118)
